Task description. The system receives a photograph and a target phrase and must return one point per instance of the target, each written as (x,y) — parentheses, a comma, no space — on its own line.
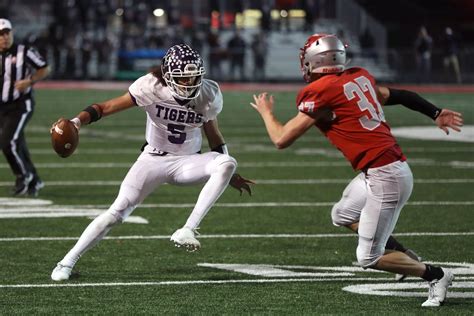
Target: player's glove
(240,183)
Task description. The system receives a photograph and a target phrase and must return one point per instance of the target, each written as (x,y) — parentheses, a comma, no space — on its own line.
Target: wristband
(93,113)
(222,148)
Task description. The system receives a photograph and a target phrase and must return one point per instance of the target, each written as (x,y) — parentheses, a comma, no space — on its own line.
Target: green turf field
(275,252)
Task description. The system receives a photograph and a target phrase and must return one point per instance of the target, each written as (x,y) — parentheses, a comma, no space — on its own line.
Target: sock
(393,244)
(432,273)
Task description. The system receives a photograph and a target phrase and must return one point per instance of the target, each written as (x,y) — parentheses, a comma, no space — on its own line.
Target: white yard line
(256,164)
(240,236)
(258,181)
(191,282)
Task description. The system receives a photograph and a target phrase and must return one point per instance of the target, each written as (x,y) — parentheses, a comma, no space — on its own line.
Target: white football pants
(145,176)
(375,200)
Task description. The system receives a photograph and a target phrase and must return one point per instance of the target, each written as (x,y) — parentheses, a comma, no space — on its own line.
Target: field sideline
(275,252)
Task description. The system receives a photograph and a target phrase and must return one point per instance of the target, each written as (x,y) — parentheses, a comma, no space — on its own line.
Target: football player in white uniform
(178,103)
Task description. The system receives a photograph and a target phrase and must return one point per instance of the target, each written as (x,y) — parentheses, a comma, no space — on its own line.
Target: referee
(21,66)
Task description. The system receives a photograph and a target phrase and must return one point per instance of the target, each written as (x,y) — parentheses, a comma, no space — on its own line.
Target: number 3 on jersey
(357,89)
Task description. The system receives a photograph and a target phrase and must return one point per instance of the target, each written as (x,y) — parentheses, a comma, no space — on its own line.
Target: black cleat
(21,185)
(35,186)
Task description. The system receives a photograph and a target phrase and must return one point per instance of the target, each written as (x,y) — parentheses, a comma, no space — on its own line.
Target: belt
(163,153)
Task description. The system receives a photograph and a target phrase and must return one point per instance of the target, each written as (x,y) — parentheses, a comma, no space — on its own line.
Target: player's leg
(389,188)
(140,181)
(346,212)
(216,170)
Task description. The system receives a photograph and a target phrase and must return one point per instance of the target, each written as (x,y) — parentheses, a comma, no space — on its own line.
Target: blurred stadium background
(122,39)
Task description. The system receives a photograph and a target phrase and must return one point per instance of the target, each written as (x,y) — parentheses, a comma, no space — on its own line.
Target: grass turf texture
(117,139)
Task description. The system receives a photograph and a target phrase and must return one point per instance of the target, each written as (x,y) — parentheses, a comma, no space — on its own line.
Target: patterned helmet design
(182,69)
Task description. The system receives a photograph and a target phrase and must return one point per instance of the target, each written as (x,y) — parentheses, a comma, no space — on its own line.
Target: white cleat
(185,237)
(61,273)
(410,253)
(438,290)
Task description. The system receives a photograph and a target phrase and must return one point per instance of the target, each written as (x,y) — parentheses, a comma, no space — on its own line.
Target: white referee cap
(5,24)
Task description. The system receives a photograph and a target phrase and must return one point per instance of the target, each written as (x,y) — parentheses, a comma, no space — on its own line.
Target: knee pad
(368,259)
(121,209)
(336,216)
(225,164)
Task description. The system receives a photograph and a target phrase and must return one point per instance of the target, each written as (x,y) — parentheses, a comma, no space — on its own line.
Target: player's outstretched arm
(445,119)
(96,111)
(281,135)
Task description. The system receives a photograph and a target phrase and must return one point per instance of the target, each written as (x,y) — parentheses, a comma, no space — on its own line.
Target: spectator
(104,52)
(236,48)
(215,55)
(266,20)
(310,8)
(450,54)
(367,44)
(87,48)
(259,47)
(423,48)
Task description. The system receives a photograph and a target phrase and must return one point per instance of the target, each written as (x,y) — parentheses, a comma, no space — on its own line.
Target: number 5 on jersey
(179,136)
(357,89)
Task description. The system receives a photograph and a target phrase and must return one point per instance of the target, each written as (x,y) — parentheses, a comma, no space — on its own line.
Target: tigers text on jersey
(16,64)
(359,130)
(172,127)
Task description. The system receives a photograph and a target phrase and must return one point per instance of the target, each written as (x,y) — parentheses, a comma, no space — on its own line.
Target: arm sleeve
(413,101)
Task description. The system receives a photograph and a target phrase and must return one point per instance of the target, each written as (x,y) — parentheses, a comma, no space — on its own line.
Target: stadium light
(158,12)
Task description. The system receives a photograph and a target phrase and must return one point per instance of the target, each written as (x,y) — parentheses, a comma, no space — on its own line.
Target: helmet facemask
(182,70)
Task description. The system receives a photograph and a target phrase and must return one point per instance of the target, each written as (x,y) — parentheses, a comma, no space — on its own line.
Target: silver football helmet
(182,69)
(322,53)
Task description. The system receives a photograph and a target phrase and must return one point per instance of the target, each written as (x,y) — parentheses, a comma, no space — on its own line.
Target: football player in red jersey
(346,105)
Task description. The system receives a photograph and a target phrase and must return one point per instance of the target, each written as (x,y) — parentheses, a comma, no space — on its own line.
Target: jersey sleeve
(216,100)
(309,99)
(141,91)
(34,58)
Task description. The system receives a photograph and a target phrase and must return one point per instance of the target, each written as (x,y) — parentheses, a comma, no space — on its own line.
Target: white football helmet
(322,53)
(182,63)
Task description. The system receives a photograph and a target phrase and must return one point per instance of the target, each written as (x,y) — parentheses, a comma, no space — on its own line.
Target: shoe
(410,253)
(61,272)
(21,184)
(35,186)
(185,237)
(438,290)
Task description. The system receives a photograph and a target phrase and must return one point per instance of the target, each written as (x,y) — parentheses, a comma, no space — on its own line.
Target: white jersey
(172,127)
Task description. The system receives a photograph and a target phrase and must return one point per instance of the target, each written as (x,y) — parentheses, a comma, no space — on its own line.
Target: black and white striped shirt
(17,63)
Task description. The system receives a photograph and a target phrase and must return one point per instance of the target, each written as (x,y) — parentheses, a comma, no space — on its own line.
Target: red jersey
(359,129)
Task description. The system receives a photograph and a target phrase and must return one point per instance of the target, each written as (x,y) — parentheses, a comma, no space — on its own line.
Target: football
(64,137)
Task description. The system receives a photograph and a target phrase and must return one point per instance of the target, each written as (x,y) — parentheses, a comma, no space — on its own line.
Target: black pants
(13,119)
